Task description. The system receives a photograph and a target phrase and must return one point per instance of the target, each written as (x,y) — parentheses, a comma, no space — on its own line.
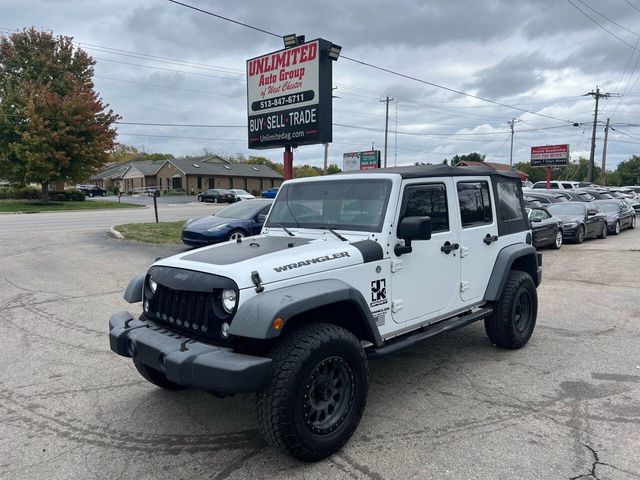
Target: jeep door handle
(489,239)
(448,247)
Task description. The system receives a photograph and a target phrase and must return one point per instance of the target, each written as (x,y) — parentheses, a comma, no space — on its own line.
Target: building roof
(204,166)
(145,167)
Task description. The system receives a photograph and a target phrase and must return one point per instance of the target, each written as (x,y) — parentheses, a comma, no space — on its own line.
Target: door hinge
(396,265)
(464,286)
(397,305)
(464,251)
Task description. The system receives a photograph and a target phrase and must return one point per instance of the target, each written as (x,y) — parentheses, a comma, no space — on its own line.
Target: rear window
(475,203)
(510,207)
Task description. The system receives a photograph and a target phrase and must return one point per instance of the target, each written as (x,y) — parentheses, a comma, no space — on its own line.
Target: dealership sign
(361,160)
(550,156)
(289,96)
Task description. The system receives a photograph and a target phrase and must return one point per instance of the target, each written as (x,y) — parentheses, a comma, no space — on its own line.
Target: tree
(467,157)
(127,153)
(629,171)
(53,125)
(278,167)
(333,168)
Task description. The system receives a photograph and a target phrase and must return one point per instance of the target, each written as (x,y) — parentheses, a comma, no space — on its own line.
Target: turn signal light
(278,323)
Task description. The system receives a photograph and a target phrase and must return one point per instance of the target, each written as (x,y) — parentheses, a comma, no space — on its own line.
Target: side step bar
(412,338)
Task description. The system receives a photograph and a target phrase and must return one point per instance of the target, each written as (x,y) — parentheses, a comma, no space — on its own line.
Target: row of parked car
(574,212)
(233,195)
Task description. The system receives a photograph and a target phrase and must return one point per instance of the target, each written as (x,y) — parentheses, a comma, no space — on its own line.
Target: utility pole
(386,126)
(326,154)
(604,153)
(511,124)
(597,95)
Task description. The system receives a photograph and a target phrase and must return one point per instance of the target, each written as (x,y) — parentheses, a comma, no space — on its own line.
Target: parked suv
(347,268)
(557,185)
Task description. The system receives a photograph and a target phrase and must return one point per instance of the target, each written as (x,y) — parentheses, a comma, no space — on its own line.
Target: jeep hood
(275,258)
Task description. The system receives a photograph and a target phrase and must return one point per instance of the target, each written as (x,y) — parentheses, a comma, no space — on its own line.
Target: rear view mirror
(591,211)
(261,217)
(536,219)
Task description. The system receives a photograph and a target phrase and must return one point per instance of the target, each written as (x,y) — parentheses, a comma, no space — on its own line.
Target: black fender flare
(254,317)
(133,293)
(505,260)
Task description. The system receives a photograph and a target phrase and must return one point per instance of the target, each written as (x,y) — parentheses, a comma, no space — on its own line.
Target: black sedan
(92,191)
(546,198)
(580,220)
(239,220)
(546,229)
(217,195)
(619,215)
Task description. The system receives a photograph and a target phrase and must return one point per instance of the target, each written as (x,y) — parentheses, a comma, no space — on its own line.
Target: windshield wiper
(285,229)
(335,233)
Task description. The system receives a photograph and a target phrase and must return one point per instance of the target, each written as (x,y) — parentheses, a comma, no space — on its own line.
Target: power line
(225,18)
(145,84)
(608,19)
(600,25)
(632,5)
(376,67)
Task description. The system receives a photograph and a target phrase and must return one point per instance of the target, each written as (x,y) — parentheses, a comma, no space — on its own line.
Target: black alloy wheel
(616,228)
(329,395)
(633,222)
(557,243)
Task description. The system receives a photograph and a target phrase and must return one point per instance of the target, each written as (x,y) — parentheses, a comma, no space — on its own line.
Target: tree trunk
(45,192)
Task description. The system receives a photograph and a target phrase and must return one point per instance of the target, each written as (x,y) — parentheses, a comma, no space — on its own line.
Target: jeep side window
(510,208)
(475,203)
(427,201)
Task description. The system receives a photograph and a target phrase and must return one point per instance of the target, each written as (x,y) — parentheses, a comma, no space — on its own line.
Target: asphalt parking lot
(454,407)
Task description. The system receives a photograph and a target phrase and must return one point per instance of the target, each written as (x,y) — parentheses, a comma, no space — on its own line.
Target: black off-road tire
(506,327)
(285,408)
(157,378)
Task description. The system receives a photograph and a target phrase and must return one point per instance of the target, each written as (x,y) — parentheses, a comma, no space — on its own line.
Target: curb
(115,233)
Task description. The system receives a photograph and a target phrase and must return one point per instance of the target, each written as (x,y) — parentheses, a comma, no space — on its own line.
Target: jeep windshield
(358,205)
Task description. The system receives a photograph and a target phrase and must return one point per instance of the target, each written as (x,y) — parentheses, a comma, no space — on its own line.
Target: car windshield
(609,207)
(567,208)
(240,210)
(341,204)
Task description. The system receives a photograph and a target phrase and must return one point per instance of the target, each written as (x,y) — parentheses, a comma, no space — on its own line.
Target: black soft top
(421,171)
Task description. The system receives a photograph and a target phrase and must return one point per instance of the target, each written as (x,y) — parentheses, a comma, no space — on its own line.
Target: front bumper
(569,233)
(186,361)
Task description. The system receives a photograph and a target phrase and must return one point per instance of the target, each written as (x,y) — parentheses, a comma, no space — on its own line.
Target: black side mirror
(536,219)
(412,228)
(591,211)
(261,218)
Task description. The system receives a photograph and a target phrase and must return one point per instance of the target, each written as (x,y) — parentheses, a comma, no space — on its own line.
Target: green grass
(38,206)
(163,232)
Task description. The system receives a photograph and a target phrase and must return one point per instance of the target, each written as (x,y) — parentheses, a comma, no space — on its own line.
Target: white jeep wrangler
(347,267)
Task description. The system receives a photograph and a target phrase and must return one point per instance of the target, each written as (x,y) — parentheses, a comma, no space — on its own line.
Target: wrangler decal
(311,261)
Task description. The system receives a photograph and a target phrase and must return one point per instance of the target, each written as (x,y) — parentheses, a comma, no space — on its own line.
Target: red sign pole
(548,178)
(288,162)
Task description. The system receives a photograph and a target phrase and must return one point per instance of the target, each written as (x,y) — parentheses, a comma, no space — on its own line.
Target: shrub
(20,193)
(71,195)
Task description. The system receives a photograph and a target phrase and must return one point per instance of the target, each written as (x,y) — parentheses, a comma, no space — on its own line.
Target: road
(453,407)
(91,220)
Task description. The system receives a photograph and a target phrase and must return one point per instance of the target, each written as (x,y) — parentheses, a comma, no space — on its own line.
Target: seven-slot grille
(186,311)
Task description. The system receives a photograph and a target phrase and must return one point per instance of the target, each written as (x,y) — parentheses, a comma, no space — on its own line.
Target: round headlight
(229,300)
(153,285)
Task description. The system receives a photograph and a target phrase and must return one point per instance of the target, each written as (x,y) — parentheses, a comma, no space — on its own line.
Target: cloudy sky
(158,62)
